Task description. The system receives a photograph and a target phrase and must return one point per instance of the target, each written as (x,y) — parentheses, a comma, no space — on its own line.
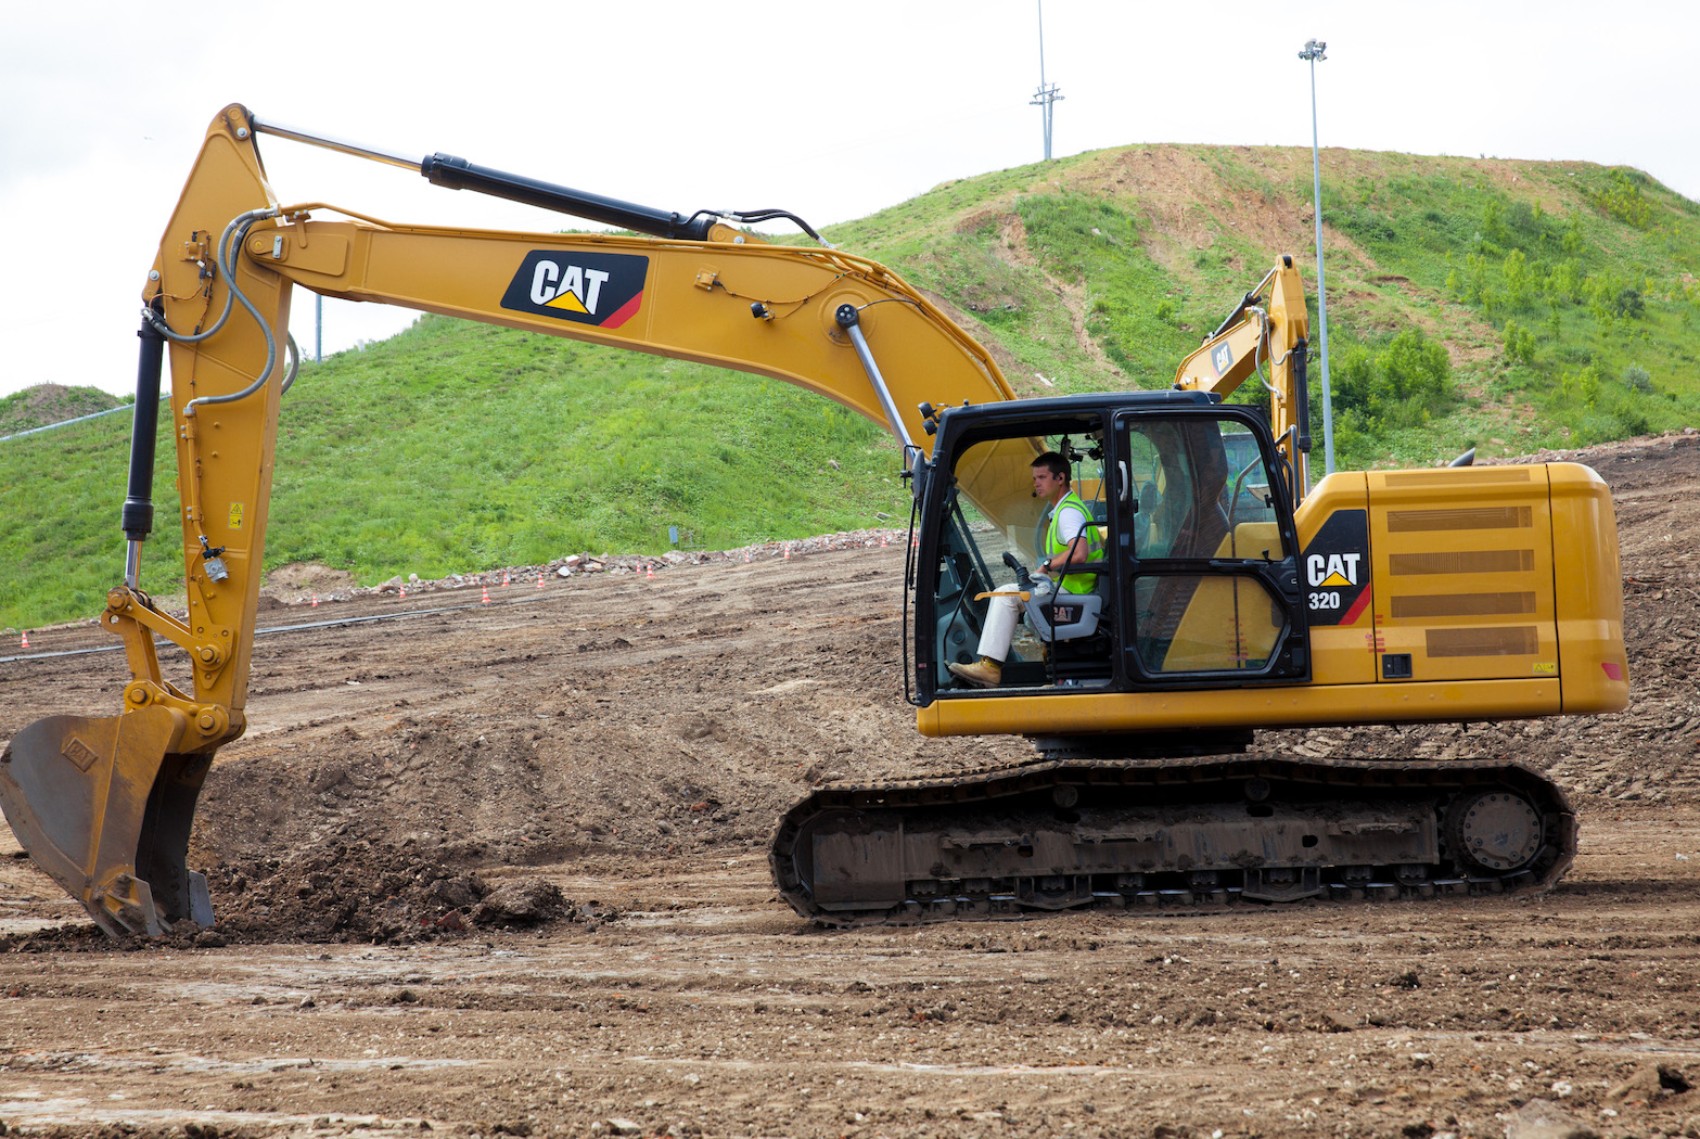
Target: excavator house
(1223,592)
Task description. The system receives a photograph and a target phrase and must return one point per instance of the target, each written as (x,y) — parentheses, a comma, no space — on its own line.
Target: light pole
(1311,54)
(1047,94)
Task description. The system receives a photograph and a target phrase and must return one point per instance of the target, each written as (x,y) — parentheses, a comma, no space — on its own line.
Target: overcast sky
(830,110)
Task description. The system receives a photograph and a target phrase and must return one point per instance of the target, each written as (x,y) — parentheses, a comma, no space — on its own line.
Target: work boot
(983,673)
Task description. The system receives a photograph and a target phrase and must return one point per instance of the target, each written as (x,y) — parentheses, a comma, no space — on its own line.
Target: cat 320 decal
(1336,569)
(603,289)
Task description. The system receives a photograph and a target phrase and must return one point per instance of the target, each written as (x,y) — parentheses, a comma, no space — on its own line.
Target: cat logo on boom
(1222,358)
(603,289)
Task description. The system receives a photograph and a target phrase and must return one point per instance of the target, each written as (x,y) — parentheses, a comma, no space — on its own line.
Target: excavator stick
(104,806)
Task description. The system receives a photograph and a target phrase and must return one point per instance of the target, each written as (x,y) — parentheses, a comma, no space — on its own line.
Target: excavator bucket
(104,807)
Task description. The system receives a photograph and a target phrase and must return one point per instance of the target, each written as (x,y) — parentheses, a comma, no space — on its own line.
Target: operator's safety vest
(1053,545)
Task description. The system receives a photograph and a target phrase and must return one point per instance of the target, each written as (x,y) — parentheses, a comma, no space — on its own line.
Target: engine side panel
(1463,564)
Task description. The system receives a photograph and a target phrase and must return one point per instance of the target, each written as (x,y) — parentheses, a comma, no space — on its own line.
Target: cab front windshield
(1000,513)
(994,518)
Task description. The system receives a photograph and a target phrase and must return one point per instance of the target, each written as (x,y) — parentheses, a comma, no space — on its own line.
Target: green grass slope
(1505,305)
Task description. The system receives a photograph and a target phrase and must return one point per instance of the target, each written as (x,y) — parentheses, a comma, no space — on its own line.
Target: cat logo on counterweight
(1336,569)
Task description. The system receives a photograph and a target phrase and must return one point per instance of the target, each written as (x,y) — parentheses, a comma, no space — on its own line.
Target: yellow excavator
(1224,594)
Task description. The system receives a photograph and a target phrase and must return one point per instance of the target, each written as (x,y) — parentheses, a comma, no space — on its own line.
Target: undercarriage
(1071,833)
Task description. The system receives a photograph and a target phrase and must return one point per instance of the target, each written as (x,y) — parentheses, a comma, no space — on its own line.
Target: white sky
(830,110)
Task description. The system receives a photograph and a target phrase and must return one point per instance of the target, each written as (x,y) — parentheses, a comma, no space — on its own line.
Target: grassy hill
(1506,305)
(1563,295)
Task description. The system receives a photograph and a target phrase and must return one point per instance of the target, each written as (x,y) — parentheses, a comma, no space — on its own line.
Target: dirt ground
(500,869)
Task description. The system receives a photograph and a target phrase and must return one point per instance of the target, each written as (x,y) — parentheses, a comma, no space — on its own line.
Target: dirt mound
(43,404)
(304,581)
(376,892)
(338,892)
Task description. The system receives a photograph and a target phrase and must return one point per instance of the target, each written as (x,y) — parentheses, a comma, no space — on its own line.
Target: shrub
(1622,199)
(1519,343)
(1405,382)
(1519,281)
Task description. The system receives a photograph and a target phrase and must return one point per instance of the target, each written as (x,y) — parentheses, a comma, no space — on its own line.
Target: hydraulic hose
(229,244)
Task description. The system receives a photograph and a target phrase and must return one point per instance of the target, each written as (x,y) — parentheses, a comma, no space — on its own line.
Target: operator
(1067,537)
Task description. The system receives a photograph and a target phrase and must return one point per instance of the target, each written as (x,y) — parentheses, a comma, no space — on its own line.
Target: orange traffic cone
(540,580)
(402,593)
(651,573)
(315,601)
(26,639)
(504,577)
(486,595)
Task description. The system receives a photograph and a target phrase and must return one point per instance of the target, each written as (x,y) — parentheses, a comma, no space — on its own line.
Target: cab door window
(1209,550)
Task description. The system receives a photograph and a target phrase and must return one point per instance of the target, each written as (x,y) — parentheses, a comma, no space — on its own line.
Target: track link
(1059,834)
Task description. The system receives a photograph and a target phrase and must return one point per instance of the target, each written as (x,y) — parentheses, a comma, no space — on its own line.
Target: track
(1206,832)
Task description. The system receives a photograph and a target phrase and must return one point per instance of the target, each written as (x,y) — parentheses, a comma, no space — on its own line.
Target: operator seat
(1075,627)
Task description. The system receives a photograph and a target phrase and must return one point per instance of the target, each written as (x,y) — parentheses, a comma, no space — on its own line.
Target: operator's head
(1050,476)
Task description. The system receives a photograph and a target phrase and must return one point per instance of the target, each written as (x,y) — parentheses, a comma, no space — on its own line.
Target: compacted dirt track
(500,869)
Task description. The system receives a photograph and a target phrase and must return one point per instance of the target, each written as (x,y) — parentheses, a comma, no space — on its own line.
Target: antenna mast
(1047,95)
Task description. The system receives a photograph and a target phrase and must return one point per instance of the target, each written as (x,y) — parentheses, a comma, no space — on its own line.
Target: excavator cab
(1198,581)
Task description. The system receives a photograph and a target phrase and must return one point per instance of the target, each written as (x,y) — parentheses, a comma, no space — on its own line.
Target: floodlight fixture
(1313,52)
